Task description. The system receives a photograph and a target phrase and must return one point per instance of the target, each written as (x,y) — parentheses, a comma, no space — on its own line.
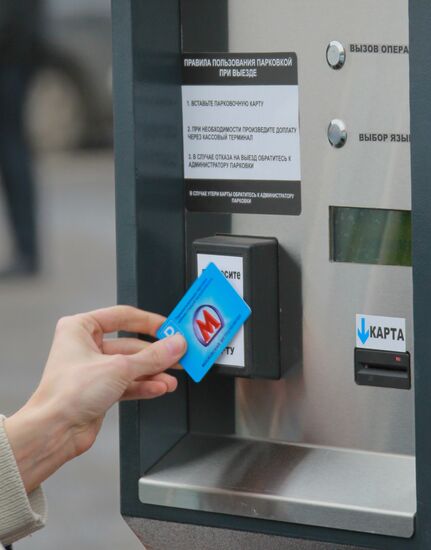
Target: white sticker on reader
(381,333)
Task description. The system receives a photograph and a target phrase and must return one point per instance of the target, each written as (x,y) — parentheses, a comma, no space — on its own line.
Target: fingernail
(176,344)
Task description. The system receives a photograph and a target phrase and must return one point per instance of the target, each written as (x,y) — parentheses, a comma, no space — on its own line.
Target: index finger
(125,318)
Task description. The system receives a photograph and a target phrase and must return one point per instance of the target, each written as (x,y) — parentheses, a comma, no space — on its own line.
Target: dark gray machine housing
(151,241)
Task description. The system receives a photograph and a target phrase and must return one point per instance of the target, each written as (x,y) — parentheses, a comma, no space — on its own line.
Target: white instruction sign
(380,333)
(241,133)
(232,269)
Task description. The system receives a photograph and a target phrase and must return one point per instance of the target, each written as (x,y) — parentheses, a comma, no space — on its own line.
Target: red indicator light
(398,359)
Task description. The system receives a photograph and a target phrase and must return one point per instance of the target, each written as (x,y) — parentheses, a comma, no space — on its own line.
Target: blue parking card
(208,316)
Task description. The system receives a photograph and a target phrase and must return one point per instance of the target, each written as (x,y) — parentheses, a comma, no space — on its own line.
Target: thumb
(158,356)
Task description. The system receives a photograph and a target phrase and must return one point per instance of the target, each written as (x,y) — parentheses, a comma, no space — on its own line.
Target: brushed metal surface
(314,448)
(162,535)
(318,401)
(344,489)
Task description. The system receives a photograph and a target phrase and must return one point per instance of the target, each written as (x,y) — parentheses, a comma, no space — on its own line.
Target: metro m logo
(207,323)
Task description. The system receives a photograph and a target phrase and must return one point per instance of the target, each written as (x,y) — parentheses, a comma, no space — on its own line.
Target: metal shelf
(327,487)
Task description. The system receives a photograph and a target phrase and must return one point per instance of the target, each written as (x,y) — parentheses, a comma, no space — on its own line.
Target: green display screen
(371,236)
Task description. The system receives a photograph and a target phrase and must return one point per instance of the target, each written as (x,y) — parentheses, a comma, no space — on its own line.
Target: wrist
(41,442)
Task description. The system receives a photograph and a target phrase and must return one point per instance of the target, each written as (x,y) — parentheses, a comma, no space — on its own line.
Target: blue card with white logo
(208,316)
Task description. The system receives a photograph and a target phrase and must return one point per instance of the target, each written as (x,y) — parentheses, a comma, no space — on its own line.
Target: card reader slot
(382,369)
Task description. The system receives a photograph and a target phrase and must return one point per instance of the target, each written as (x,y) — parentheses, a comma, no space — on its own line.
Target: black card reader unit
(385,369)
(251,266)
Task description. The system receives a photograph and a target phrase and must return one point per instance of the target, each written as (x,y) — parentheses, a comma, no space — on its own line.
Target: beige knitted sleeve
(20,514)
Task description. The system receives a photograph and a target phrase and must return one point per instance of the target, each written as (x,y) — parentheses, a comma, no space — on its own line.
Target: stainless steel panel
(318,402)
(162,535)
(345,489)
(314,448)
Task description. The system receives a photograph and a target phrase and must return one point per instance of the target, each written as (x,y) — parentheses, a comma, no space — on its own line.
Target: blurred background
(57,232)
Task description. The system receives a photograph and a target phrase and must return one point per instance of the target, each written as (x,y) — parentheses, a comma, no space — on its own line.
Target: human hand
(84,376)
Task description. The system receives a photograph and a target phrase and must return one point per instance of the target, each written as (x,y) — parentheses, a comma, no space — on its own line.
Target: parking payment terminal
(286,143)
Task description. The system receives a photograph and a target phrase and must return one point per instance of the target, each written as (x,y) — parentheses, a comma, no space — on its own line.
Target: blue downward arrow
(363,335)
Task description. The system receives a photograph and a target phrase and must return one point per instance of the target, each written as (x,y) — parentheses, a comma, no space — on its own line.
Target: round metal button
(337,133)
(335,54)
